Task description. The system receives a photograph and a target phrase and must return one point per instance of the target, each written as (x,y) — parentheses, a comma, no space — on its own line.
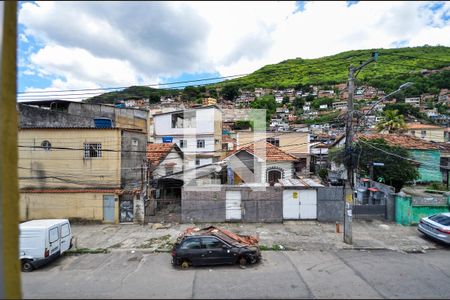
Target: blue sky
(87,45)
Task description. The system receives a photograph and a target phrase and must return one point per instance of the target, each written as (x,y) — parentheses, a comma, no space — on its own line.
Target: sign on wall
(167,139)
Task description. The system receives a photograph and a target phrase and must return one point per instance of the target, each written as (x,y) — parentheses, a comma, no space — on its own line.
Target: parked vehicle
(42,241)
(436,226)
(213,246)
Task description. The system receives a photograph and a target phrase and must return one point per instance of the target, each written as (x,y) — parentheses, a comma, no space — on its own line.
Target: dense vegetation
(394,67)
(133,92)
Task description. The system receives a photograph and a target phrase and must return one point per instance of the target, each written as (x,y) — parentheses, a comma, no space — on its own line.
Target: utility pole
(349,183)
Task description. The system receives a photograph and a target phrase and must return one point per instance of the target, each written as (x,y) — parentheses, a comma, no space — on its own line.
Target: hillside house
(413,101)
(426,131)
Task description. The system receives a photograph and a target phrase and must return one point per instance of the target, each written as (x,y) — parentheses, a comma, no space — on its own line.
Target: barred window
(92,150)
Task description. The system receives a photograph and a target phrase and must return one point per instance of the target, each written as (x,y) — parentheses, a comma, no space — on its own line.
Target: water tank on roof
(103,123)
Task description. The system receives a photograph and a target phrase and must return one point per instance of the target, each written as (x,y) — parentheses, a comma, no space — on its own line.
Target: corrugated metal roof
(302,182)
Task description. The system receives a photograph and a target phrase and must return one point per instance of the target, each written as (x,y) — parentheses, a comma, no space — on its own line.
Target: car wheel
(243,261)
(185,264)
(27,266)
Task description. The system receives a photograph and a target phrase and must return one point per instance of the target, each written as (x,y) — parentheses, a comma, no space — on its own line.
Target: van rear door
(66,236)
(54,239)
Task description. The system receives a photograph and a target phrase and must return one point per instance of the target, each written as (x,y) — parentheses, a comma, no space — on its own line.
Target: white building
(197,131)
(414,101)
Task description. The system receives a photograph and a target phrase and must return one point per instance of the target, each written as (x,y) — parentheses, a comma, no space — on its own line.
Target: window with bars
(92,150)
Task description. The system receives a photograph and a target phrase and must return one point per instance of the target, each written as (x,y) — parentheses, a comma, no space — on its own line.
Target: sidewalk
(291,235)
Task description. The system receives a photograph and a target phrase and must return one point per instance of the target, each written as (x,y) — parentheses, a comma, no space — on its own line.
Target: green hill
(133,92)
(394,67)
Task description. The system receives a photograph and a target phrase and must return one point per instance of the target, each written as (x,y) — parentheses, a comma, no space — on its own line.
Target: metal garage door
(233,205)
(291,207)
(299,204)
(308,204)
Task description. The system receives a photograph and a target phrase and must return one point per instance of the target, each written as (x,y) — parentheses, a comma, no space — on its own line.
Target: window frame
(182,246)
(89,151)
(274,141)
(203,245)
(204,144)
(50,235)
(48,145)
(68,230)
(183,144)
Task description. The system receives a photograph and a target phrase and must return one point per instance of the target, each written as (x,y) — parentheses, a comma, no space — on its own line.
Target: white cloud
(122,43)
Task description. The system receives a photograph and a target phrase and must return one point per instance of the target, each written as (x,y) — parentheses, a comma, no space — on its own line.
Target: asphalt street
(281,274)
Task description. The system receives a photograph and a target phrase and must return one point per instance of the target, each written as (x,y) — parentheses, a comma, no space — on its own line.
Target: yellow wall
(88,206)
(436,135)
(295,143)
(69,166)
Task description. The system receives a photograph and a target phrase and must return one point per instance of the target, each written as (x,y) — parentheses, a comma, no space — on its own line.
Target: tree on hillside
(230,92)
(265,102)
(392,122)
(397,169)
(191,93)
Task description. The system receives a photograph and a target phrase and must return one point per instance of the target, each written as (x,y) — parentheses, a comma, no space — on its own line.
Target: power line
(306,63)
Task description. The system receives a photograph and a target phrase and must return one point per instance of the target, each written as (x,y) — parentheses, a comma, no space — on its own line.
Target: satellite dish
(218,168)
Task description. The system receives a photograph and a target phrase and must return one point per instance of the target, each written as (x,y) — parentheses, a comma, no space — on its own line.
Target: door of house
(308,204)
(126,210)
(233,205)
(108,209)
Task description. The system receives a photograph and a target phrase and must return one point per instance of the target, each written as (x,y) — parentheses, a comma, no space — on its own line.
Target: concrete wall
(330,204)
(123,117)
(86,206)
(209,206)
(30,116)
(295,143)
(406,213)
(134,145)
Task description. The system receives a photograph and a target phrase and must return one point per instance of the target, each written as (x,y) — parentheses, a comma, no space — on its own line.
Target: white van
(42,241)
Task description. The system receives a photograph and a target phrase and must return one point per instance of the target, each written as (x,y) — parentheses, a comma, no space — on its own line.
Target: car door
(191,249)
(65,237)
(54,240)
(217,252)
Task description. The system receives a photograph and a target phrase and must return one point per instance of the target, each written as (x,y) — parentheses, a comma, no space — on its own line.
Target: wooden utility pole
(349,183)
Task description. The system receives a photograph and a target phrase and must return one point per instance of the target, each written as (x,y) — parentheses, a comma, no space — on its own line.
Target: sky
(90,46)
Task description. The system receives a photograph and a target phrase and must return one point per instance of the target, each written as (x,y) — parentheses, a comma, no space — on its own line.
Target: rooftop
(273,153)
(399,140)
(422,126)
(158,151)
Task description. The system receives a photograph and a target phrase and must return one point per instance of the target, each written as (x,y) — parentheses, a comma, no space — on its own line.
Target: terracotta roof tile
(273,153)
(403,141)
(422,126)
(157,152)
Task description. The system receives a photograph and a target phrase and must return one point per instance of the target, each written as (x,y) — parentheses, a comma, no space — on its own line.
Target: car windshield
(441,219)
(191,244)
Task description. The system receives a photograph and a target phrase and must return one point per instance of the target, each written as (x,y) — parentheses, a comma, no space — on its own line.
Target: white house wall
(172,157)
(204,124)
(287,168)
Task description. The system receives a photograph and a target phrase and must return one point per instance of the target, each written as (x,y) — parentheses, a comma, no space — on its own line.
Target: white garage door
(299,204)
(233,205)
(308,204)
(291,207)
